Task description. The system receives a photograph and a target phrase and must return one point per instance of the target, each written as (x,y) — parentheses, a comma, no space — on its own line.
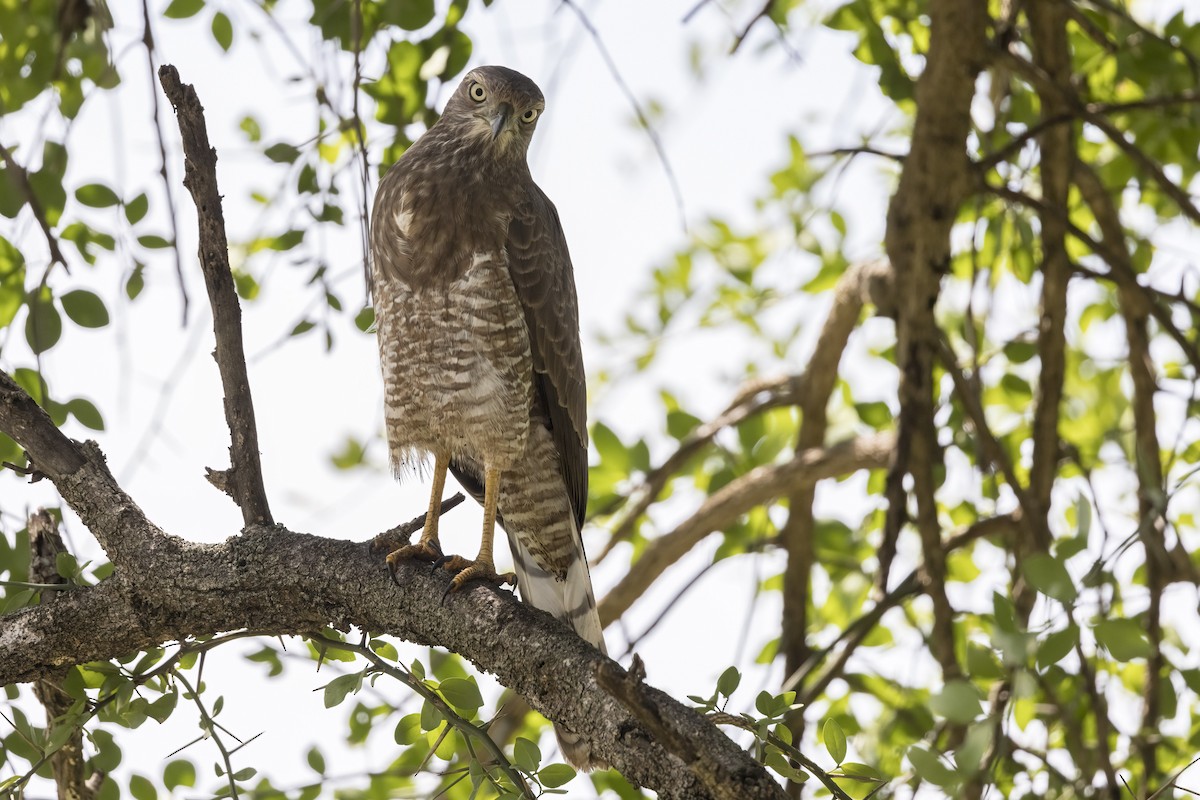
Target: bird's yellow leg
(428,548)
(483,567)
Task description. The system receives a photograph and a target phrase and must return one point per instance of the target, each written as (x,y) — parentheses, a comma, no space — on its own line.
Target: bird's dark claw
(425,550)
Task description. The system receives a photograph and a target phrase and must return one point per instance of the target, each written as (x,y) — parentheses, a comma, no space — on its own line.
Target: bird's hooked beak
(500,121)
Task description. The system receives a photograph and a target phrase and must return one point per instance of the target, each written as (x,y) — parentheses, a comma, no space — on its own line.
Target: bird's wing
(541,271)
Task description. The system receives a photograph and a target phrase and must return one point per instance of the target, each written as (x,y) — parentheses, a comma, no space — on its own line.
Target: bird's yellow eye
(530,115)
(477,92)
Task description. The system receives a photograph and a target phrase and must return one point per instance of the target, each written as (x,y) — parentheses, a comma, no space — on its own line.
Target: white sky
(723,135)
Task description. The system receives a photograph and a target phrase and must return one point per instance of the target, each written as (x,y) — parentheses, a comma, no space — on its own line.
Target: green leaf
(251,128)
(161,709)
(856,770)
(410,15)
(86,412)
(245,774)
(1056,645)
(182,9)
(728,682)
(431,717)
(136,208)
(43,326)
(316,760)
(408,729)
(835,740)
(96,195)
(555,775)
(462,693)
(365,319)
(222,30)
(526,754)
(153,242)
(930,767)
(85,308)
(66,566)
(282,153)
(1050,577)
(958,702)
(1123,638)
(141,788)
(337,689)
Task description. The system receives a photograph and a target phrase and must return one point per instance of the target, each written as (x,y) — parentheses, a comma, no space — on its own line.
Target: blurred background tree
(978,314)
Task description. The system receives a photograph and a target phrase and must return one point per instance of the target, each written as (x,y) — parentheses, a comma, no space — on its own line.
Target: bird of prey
(478,329)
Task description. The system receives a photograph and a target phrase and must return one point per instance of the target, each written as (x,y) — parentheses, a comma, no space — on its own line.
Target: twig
(1119,274)
(244,476)
(782,392)
(856,632)
(22,178)
(722,718)
(760,485)
(432,697)
(1089,109)
(148,42)
(643,120)
(400,535)
(1043,82)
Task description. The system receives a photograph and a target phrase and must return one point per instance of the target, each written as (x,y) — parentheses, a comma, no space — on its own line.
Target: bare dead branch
(200,177)
(722,508)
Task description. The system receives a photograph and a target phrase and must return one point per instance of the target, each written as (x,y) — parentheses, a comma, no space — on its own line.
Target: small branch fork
(243,481)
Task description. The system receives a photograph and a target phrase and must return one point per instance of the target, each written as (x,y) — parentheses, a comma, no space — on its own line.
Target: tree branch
(280,582)
(21,177)
(935,179)
(67,763)
(720,509)
(243,481)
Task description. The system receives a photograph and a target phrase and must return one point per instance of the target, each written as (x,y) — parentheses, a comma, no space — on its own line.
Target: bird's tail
(572,601)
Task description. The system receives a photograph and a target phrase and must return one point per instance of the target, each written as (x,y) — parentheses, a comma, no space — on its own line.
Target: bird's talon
(429,550)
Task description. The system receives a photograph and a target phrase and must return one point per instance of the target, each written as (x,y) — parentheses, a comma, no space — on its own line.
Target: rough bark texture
(935,179)
(281,582)
(243,481)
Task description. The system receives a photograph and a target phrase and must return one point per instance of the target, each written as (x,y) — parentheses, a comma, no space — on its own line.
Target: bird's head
(497,105)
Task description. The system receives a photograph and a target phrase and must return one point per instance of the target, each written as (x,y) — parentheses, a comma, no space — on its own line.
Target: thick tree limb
(722,508)
(935,179)
(244,480)
(1048,26)
(280,582)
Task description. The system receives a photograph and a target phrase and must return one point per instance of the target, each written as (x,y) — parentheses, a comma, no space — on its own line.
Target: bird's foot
(425,550)
(468,570)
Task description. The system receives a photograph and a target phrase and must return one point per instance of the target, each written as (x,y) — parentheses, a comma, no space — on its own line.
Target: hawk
(478,329)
